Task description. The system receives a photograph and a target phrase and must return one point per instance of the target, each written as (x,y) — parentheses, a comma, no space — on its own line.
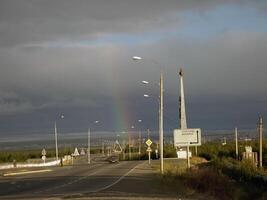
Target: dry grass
(222,179)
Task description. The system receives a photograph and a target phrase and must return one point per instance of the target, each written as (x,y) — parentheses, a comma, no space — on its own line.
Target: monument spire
(182,113)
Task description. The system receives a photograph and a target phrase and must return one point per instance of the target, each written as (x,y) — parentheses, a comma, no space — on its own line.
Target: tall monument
(182,113)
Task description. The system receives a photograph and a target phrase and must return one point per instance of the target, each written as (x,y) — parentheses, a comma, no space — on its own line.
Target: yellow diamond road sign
(148,142)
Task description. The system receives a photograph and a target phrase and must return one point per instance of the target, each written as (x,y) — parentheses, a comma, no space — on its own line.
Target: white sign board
(183,154)
(184,137)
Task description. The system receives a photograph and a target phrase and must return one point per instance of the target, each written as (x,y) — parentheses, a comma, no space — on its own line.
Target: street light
(137,58)
(145,82)
(62,117)
(146,95)
(88,143)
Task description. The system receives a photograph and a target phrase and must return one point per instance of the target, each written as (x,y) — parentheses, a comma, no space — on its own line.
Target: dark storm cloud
(76,55)
(29,21)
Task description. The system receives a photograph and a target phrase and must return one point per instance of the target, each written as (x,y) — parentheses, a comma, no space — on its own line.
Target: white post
(236,144)
(89,147)
(161,123)
(188,159)
(56,140)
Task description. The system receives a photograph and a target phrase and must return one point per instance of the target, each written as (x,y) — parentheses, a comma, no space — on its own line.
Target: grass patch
(223,178)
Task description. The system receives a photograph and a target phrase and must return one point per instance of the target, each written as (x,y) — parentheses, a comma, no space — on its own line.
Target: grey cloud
(26,21)
(39,75)
(11,103)
(84,76)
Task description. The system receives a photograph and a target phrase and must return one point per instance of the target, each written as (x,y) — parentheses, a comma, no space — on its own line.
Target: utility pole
(161,124)
(236,144)
(88,147)
(56,140)
(261,138)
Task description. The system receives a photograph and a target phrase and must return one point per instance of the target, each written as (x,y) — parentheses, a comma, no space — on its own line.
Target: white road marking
(84,177)
(117,181)
(69,183)
(27,172)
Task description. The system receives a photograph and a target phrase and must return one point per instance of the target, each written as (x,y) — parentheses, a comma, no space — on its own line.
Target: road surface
(124,180)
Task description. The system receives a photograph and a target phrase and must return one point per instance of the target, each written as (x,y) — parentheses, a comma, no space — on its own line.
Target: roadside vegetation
(218,173)
(29,155)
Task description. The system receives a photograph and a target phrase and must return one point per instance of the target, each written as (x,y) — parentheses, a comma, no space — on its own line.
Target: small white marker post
(187,154)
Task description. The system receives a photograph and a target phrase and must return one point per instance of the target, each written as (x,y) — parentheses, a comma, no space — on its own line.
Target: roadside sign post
(187,138)
(43,158)
(148,143)
(44,155)
(187,155)
(149,155)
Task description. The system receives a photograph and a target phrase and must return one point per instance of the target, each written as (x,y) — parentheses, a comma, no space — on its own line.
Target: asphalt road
(124,180)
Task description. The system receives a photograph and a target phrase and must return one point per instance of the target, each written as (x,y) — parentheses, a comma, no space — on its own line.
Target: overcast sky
(74,57)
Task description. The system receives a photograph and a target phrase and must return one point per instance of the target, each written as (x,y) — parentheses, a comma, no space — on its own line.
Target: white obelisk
(183,124)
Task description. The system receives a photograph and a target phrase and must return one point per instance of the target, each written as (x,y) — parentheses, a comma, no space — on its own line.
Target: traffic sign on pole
(148,142)
(43,152)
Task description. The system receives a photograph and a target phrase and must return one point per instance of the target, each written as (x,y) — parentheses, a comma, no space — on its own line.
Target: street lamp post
(88,147)
(56,140)
(89,144)
(140,136)
(161,123)
(137,58)
(56,137)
